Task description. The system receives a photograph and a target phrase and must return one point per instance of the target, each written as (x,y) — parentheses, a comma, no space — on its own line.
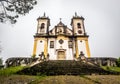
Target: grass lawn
(10,70)
(9,76)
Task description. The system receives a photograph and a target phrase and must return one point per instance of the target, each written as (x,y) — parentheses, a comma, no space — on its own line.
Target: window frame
(51,44)
(70,44)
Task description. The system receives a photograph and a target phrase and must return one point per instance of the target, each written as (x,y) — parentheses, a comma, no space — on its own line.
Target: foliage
(0,47)
(110,68)
(11,9)
(1,61)
(118,62)
(33,56)
(11,70)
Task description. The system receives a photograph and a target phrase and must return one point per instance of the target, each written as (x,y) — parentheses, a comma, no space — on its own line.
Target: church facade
(61,42)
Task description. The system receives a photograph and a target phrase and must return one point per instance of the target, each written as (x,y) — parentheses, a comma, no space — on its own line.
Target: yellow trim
(62,37)
(87,48)
(76,46)
(82,38)
(45,47)
(35,47)
(41,38)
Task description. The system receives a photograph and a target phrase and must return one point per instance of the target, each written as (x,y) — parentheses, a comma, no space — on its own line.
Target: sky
(102,24)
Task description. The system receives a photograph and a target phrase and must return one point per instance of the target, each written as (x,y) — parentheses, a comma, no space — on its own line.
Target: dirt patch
(16,79)
(63,79)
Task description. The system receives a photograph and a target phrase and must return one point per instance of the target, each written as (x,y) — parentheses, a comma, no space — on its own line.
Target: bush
(11,70)
(118,62)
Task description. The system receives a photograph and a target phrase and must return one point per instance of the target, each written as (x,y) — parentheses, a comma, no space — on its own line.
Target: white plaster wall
(68,31)
(40,47)
(53,31)
(64,45)
(74,51)
(52,51)
(68,51)
(82,47)
(69,54)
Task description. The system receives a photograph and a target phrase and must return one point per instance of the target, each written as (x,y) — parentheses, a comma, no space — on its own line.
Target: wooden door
(61,55)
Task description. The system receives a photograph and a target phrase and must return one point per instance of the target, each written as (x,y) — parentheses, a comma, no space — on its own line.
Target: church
(61,42)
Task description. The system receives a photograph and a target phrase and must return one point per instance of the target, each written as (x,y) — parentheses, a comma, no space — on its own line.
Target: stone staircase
(64,67)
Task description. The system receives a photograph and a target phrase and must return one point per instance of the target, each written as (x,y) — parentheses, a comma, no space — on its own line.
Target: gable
(60,30)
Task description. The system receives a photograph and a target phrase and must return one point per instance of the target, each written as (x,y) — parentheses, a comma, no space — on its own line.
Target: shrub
(118,62)
(11,70)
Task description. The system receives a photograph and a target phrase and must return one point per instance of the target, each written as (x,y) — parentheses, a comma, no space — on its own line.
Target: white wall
(52,51)
(82,47)
(40,47)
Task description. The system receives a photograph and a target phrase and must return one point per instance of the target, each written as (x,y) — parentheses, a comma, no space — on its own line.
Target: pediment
(60,30)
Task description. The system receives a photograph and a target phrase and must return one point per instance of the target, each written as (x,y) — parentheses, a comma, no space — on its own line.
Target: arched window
(78,25)
(42,25)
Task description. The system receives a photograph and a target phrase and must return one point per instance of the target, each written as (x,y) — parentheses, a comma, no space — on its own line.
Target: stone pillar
(108,62)
(35,48)
(87,48)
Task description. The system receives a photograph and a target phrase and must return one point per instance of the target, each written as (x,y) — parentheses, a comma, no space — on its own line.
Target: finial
(75,14)
(60,19)
(44,13)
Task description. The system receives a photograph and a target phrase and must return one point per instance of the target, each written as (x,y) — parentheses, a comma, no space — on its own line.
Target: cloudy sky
(102,23)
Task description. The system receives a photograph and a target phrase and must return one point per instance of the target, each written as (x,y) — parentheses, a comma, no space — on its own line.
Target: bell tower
(80,36)
(43,25)
(40,38)
(77,24)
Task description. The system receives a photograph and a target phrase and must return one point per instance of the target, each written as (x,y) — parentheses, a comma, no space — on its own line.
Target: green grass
(11,70)
(110,68)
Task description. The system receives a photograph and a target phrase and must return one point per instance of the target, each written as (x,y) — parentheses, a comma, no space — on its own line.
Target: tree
(0,48)
(11,9)
(118,62)
(0,54)
(1,61)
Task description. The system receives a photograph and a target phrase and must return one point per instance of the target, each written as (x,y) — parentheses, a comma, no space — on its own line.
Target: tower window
(41,41)
(51,44)
(78,25)
(81,41)
(70,44)
(42,25)
(80,31)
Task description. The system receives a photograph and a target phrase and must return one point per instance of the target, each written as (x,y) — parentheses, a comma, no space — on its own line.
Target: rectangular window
(51,44)
(70,44)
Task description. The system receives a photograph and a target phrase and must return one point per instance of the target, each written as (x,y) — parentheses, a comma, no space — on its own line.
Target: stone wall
(103,61)
(23,61)
(19,61)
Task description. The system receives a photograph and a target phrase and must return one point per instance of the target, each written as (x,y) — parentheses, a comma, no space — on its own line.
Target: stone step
(63,67)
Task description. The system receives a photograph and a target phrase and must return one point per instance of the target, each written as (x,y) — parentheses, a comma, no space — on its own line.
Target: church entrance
(61,55)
